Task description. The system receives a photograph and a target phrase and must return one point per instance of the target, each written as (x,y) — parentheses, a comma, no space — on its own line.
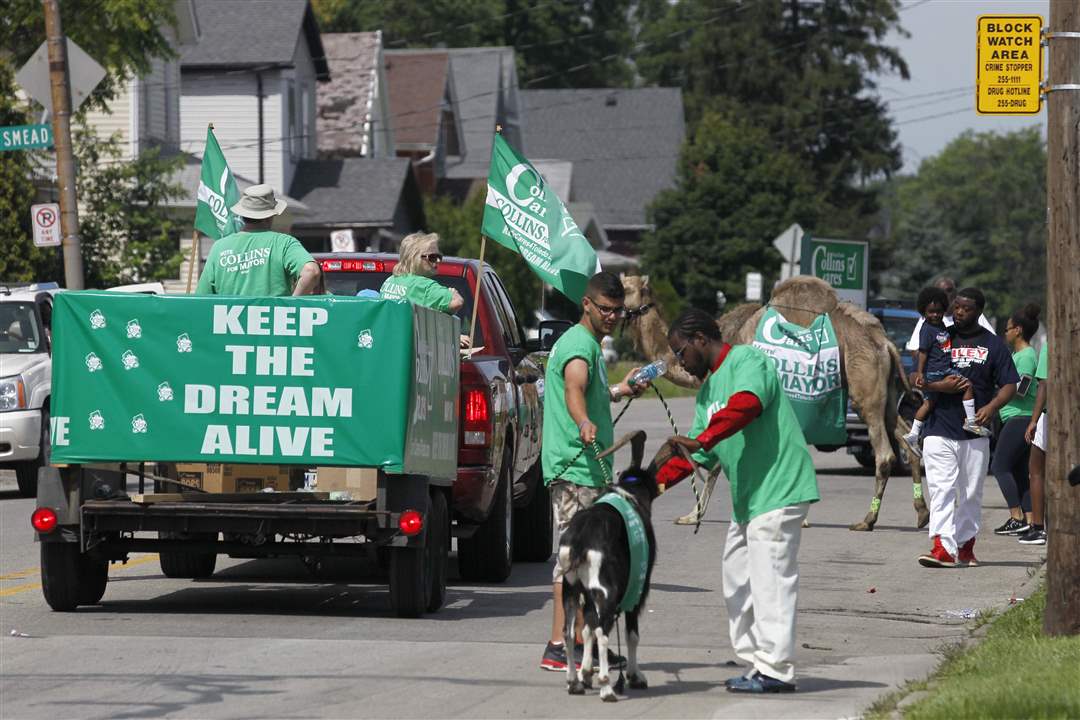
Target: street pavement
(268,638)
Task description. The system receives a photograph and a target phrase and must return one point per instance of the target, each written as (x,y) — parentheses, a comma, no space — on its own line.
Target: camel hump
(800,299)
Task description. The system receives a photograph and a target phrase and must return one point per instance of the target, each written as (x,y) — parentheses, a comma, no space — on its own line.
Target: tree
(563,43)
(734,190)
(459,234)
(977,212)
(800,69)
(127,233)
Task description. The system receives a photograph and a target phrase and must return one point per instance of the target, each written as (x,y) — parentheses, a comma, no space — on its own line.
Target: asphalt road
(270,639)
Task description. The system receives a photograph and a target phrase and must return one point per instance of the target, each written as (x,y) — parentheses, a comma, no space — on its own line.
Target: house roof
(251,33)
(485,83)
(417,86)
(624,145)
(344,103)
(358,192)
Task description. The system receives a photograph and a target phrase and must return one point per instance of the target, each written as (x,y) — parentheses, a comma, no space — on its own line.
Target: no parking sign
(46,220)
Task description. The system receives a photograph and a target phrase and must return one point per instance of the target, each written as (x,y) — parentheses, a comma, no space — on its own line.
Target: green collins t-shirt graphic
(253,264)
(418,290)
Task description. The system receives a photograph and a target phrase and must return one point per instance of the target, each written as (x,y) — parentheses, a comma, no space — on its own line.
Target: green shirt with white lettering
(254,264)
(562,439)
(767,462)
(418,290)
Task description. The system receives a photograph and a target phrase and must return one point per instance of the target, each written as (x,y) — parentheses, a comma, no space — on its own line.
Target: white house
(253,74)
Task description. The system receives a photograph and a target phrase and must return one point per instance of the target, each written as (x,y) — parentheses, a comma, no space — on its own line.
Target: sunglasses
(607,310)
(679,353)
(433,257)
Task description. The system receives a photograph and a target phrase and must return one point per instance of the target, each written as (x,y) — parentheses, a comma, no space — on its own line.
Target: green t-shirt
(257,264)
(1019,406)
(767,462)
(562,439)
(418,290)
(1042,369)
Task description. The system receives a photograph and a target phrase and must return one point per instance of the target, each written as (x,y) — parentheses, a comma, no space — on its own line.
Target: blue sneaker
(759,684)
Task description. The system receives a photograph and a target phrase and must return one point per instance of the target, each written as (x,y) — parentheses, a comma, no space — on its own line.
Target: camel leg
(922,512)
(883,460)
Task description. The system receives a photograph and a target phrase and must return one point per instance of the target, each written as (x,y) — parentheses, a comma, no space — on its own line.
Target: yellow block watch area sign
(1009,65)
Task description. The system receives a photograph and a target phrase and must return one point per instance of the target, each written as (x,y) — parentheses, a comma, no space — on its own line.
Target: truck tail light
(411,523)
(44,520)
(476,417)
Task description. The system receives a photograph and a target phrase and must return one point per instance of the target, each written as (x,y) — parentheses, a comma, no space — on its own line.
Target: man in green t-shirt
(257,261)
(577,427)
(745,422)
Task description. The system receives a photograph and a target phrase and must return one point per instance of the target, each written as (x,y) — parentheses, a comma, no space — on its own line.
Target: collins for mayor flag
(217,193)
(524,215)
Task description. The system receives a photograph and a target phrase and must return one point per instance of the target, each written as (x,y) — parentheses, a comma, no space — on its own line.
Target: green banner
(217,193)
(524,215)
(808,364)
(312,381)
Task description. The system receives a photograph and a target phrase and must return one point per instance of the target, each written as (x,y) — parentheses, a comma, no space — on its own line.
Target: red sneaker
(938,556)
(966,556)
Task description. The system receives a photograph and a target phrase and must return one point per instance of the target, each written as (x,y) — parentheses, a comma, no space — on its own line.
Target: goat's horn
(637,440)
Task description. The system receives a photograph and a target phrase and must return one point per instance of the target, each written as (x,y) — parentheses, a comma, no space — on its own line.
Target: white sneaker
(912,440)
(976,429)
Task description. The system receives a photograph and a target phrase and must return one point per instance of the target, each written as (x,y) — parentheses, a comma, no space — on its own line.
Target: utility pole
(65,160)
(1063,298)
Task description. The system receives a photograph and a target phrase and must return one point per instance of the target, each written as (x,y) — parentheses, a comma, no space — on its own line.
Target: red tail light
(353,266)
(411,523)
(476,417)
(44,520)
(476,408)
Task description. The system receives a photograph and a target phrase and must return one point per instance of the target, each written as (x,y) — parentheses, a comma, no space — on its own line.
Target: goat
(595,557)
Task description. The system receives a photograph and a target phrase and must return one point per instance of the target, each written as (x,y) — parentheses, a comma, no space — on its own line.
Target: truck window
(19,328)
(516,336)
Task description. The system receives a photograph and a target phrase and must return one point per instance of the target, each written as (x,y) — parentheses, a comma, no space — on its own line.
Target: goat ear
(644,281)
(637,448)
(622,277)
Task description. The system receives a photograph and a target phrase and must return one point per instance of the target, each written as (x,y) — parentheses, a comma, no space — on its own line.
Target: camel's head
(638,292)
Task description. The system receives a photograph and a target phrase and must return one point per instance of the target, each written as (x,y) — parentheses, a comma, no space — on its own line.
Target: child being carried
(935,363)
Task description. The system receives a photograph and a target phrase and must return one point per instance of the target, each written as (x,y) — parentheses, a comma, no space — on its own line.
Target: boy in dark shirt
(935,363)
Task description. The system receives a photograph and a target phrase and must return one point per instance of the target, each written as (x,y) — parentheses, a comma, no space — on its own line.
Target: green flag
(217,193)
(522,214)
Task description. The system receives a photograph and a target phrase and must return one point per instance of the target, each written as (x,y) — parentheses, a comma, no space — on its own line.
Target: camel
(870,365)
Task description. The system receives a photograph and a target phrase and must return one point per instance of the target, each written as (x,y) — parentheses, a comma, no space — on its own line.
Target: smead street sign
(25,137)
(1008,65)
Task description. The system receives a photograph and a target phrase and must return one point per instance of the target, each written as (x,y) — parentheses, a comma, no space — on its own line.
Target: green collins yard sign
(844,264)
(26,137)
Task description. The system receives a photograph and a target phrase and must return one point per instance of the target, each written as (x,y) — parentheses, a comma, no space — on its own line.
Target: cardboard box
(361,483)
(231,478)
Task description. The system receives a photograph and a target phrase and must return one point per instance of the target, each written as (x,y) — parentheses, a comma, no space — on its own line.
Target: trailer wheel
(437,549)
(489,553)
(69,578)
(534,525)
(410,577)
(187,565)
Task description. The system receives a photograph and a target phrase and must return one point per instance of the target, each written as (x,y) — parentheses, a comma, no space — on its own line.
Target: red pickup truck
(500,507)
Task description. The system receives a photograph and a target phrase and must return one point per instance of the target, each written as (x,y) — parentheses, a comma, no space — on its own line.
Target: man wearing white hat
(258,261)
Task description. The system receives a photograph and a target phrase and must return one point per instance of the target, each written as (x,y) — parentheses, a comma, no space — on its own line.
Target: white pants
(761,585)
(955,470)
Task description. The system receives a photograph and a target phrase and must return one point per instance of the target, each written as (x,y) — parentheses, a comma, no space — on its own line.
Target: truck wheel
(187,565)
(69,578)
(489,553)
(437,549)
(410,576)
(534,526)
(26,473)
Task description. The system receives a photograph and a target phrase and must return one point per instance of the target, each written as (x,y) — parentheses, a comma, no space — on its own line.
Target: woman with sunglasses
(411,281)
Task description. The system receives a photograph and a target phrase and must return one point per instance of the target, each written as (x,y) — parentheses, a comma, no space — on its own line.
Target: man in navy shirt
(956,460)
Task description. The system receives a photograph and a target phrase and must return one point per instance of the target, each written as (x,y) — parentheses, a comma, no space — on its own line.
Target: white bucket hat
(258,202)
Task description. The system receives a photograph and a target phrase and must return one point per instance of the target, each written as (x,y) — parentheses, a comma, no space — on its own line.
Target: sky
(940,54)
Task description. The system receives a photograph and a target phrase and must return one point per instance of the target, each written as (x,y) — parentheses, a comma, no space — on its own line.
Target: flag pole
(194,258)
(479,276)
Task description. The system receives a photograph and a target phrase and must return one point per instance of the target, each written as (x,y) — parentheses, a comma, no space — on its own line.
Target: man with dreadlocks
(744,422)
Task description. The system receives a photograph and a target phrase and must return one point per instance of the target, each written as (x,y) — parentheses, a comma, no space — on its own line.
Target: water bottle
(649,373)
